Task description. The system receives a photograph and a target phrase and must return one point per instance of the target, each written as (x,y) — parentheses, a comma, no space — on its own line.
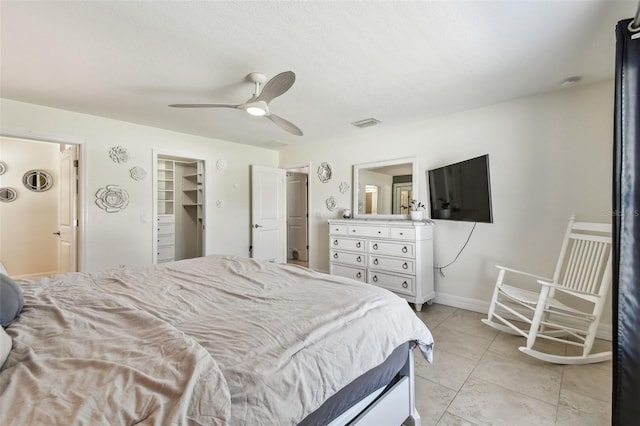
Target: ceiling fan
(258,104)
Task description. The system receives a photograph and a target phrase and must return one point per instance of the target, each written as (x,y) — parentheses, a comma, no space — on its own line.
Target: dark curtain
(626,230)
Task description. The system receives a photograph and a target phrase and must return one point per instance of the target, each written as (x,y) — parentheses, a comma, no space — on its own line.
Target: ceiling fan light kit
(258,104)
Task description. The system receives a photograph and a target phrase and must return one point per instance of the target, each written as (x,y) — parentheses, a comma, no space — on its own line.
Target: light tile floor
(479,377)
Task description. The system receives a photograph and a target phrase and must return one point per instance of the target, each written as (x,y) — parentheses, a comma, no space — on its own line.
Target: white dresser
(393,254)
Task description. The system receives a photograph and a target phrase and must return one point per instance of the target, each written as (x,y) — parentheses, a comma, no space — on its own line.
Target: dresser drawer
(398,283)
(369,231)
(348,244)
(406,266)
(166,228)
(348,258)
(165,254)
(392,248)
(358,274)
(164,240)
(166,218)
(337,229)
(403,233)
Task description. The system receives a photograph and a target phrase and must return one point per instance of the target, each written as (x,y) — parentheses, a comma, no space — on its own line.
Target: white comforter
(214,340)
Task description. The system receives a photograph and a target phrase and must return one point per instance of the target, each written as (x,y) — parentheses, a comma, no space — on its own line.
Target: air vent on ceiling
(367,122)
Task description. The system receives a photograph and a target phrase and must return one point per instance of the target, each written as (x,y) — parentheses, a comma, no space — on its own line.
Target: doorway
(298,216)
(39,228)
(179,208)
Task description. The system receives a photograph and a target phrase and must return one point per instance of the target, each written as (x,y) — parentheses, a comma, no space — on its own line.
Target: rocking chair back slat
(584,264)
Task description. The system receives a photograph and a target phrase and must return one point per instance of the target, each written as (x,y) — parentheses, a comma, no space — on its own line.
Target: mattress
(379,376)
(217,340)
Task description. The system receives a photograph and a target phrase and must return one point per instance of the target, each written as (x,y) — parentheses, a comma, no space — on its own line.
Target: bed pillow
(3,270)
(11,300)
(5,346)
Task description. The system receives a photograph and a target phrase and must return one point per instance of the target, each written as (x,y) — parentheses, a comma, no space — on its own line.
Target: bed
(217,340)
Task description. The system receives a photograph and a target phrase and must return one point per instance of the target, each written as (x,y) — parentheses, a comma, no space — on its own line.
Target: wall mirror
(37,180)
(384,189)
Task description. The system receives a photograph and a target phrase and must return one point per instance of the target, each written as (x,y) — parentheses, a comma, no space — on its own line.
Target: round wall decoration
(344,187)
(37,180)
(119,154)
(138,173)
(7,195)
(331,203)
(221,165)
(3,168)
(112,199)
(324,172)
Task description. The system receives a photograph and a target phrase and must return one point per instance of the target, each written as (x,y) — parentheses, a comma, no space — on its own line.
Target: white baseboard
(605,331)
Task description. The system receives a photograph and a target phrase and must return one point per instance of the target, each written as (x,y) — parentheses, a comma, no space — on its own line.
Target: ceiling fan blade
(203,106)
(285,125)
(276,86)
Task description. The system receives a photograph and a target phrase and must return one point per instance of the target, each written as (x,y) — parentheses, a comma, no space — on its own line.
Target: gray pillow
(11,300)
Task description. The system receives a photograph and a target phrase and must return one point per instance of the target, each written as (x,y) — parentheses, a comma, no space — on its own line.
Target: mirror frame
(374,164)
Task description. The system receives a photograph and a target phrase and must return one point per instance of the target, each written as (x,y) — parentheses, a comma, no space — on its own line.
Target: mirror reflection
(384,188)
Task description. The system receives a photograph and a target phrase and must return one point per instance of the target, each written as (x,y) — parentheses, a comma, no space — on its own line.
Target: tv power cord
(440,268)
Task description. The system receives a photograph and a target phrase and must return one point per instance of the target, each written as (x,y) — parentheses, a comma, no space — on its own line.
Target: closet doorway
(179,208)
(298,216)
(39,227)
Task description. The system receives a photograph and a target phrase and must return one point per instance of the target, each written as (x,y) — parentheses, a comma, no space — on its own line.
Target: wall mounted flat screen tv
(461,191)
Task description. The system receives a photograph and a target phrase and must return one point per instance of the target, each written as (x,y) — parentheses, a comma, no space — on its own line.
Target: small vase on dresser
(393,254)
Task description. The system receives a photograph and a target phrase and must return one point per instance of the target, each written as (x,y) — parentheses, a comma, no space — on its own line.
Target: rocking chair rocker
(567,307)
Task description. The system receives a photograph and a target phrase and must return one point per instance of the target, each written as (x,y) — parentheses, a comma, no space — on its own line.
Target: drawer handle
(335,242)
(404,249)
(402,233)
(353,230)
(375,278)
(379,232)
(404,265)
(375,261)
(405,285)
(358,244)
(375,246)
(359,259)
(337,229)
(359,275)
(335,255)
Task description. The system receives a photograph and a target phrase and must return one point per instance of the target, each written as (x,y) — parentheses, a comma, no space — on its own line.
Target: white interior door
(297,216)
(67,223)
(268,214)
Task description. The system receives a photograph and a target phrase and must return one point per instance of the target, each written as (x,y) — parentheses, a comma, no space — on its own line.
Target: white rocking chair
(583,273)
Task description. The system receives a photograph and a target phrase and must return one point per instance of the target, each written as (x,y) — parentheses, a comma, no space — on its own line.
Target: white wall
(27,243)
(112,239)
(550,156)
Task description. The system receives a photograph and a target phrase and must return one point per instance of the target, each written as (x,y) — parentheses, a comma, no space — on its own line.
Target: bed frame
(396,406)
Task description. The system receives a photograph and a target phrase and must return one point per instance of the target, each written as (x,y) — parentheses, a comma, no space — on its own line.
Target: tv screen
(461,191)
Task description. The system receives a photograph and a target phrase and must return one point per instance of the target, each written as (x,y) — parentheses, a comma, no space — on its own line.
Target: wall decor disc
(331,203)
(221,165)
(344,187)
(37,180)
(119,154)
(112,198)
(7,195)
(3,168)
(324,172)
(138,173)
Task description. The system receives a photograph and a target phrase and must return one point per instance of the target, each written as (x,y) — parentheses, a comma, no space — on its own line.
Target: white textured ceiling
(395,61)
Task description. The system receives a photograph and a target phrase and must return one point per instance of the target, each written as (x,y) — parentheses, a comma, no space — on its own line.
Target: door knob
(257,226)
(57,233)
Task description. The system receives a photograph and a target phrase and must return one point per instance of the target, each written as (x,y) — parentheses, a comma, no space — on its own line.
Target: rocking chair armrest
(538,277)
(565,289)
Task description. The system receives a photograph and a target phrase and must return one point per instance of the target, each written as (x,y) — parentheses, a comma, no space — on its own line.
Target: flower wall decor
(344,187)
(112,198)
(119,154)
(331,203)
(8,195)
(138,173)
(221,165)
(324,172)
